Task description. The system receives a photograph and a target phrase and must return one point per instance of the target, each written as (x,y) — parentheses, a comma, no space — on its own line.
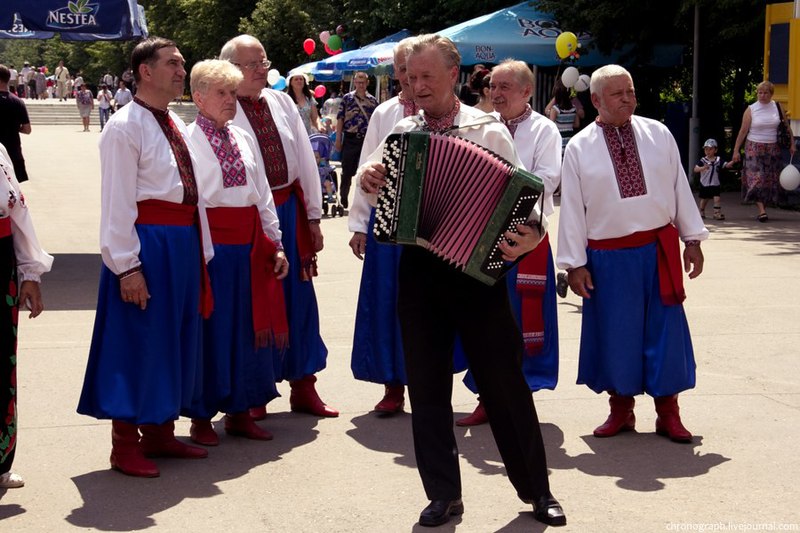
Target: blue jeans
(104,114)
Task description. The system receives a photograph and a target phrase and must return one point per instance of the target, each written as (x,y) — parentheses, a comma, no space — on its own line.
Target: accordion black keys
(454,198)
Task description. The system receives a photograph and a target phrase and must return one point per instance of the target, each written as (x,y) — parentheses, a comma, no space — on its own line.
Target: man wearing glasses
(286,156)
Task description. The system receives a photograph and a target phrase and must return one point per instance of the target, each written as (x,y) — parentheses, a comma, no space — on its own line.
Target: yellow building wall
(786,93)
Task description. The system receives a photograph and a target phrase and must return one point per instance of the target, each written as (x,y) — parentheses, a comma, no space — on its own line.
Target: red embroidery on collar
(444,122)
(224,146)
(514,122)
(621,143)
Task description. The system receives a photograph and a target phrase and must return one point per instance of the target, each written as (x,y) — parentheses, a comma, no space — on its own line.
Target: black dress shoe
(438,512)
(548,511)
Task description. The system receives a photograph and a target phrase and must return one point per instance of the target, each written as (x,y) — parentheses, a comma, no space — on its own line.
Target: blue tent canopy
(521,32)
(371,57)
(316,71)
(78,20)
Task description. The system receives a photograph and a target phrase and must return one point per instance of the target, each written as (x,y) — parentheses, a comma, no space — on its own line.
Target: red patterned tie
(269,140)
(179,150)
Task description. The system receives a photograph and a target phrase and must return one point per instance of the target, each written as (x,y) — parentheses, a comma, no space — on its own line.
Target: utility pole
(694,121)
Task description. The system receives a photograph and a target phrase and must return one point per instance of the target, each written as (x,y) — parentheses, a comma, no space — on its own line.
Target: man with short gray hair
(625,206)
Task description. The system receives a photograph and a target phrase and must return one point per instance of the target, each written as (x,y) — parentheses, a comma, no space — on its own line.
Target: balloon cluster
(332,43)
(572,79)
(275,80)
(567,45)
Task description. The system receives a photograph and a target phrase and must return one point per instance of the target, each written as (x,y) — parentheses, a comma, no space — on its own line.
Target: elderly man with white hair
(285,154)
(625,207)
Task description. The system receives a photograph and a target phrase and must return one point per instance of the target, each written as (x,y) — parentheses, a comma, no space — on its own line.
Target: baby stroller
(328,178)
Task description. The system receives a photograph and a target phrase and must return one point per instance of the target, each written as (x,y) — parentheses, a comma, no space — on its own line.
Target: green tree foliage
(372,19)
(199,27)
(283,25)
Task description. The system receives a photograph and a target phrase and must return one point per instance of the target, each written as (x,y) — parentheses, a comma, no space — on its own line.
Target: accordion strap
(480,121)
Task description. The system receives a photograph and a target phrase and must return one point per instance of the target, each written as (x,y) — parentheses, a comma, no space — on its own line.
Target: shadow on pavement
(13,509)
(115,502)
(386,434)
(782,231)
(640,460)
(72,284)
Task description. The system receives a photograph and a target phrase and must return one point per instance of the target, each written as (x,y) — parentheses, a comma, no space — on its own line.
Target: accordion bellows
(454,198)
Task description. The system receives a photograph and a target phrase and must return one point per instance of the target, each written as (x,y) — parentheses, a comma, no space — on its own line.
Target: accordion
(454,198)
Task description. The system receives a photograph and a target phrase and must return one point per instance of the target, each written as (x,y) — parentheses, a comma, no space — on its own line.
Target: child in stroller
(321,145)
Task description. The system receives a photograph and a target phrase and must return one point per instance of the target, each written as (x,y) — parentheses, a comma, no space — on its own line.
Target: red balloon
(332,52)
(309,45)
(319,91)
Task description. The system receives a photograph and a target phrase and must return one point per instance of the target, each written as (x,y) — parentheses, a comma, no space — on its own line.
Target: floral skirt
(762,167)
(9,309)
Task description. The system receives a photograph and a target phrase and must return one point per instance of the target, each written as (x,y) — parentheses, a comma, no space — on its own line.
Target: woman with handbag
(766,132)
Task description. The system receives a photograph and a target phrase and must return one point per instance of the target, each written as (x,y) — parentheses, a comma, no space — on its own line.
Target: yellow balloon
(566,43)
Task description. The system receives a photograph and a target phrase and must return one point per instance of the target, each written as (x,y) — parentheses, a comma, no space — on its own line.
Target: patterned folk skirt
(762,167)
(9,309)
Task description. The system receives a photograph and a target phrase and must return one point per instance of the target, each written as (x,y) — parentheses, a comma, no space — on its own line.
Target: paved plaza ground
(356,473)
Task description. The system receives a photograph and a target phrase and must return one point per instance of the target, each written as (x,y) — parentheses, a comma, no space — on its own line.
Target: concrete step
(43,113)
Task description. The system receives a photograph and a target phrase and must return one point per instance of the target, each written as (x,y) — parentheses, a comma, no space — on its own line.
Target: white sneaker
(11,480)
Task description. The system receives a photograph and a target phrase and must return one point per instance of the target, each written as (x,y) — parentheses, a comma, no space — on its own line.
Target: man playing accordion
(436,302)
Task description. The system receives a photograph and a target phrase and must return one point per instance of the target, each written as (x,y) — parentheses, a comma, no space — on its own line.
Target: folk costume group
(209,239)
(177,333)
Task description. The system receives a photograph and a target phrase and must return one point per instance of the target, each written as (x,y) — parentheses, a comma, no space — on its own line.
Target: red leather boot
(621,417)
(258,413)
(202,432)
(160,441)
(304,398)
(669,422)
(477,417)
(126,455)
(393,400)
(243,425)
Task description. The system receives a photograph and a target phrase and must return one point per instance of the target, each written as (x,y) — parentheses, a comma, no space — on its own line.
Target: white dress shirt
(538,144)
(591,204)
(137,163)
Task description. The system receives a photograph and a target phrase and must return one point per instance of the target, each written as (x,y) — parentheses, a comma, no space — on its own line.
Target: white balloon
(583,82)
(569,77)
(273,76)
(790,178)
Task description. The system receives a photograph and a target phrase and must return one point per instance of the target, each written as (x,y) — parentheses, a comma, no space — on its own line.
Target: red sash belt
(670,273)
(161,213)
(5,227)
(531,280)
(305,246)
(242,225)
